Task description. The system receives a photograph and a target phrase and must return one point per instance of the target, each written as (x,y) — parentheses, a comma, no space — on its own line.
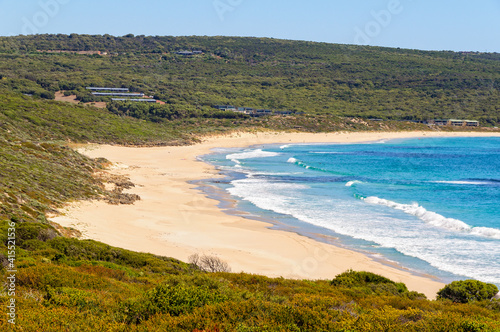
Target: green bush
(173,300)
(47,95)
(353,278)
(70,297)
(370,283)
(27,233)
(183,299)
(465,291)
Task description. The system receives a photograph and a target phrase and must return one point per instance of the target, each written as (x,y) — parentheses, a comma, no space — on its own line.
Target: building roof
(143,100)
(106,89)
(119,94)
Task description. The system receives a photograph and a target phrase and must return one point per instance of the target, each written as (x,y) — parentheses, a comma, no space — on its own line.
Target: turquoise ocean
(432,204)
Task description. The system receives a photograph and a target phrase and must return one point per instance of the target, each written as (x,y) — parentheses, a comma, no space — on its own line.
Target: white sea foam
(292,160)
(286,146)
(352,183)
(464,182)
(258,153)
(445,249)
(436,219)
(429,217)
(486,232)
(273,196)
(275,173)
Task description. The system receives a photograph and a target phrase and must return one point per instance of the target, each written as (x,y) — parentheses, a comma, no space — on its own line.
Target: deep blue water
(431,204)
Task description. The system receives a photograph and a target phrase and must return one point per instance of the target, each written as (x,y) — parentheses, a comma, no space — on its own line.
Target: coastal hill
(63,283)
(192,74)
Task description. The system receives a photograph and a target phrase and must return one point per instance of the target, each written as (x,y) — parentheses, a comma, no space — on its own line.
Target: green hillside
(314,78)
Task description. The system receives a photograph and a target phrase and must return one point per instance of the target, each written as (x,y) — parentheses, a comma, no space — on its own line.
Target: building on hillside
(261,112)
(185,53)
(136,100)
(463,123)
(117,94)
(107,89)
(188,53)
(245,110)
(225,107)
(472,123)
(283,112)
(454,122)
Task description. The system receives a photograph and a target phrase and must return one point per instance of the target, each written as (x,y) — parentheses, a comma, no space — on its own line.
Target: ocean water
(430,204)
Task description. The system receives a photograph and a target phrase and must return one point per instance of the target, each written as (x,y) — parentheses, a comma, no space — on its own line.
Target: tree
(465,291)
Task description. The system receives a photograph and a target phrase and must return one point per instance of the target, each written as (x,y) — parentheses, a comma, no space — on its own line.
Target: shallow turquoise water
(431,204)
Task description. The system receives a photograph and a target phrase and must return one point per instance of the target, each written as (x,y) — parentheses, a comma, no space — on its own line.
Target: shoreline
(228,206)
(174,219)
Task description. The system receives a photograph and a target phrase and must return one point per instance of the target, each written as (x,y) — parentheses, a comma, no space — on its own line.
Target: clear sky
(459,25)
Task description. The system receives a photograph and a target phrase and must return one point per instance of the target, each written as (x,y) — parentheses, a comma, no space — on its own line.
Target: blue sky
(457,25)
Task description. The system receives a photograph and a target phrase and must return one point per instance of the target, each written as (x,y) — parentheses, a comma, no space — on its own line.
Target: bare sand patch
(59,96)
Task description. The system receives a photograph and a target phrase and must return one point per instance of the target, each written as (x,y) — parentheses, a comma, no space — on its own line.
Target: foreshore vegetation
(66,284)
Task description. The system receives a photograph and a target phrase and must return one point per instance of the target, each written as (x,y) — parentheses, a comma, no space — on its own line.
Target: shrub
(465,291)
(34,244)
(182,299)
(352,278)
(72,298)
(209,263)
(47,95)
(27,231)
(371,283)
(178,300)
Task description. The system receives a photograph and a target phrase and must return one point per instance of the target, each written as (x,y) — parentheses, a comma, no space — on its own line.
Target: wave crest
(259,153)
(435,219)
(486,232)
(465,182)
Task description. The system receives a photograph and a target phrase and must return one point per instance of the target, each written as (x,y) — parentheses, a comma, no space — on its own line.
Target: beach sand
(174,219)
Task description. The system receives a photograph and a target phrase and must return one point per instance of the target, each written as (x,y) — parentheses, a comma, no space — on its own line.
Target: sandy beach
(176,220)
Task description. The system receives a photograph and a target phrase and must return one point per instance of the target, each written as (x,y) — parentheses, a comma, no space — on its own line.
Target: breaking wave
(465,182)
(435,219)
(259,153)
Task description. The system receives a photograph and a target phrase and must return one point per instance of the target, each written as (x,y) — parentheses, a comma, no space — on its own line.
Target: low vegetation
(73,285)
